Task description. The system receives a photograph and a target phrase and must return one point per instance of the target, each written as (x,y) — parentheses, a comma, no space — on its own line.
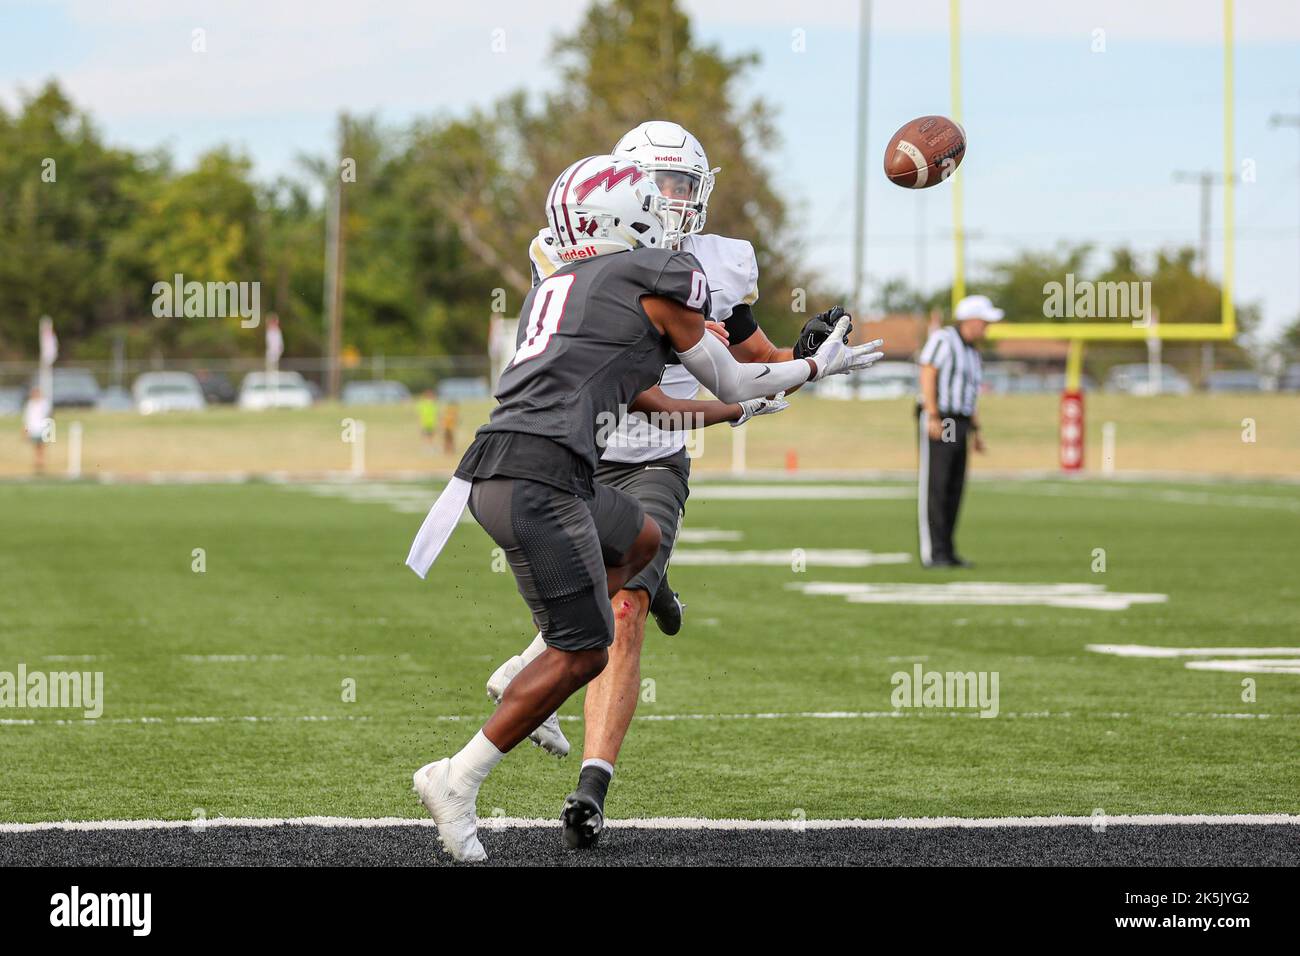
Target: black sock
(593,782)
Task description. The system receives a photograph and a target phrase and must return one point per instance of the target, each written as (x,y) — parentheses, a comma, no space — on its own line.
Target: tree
(64,195)
(477,183)
(204,225)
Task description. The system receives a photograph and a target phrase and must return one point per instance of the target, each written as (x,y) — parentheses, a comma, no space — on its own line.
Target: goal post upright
(1223,330)
(1227,310)
(1078,334)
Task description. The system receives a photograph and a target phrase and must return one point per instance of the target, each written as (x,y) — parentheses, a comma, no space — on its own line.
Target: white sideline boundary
(908,713)
(682,823)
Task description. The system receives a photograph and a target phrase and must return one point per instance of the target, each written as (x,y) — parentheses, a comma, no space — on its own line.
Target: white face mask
(680,207)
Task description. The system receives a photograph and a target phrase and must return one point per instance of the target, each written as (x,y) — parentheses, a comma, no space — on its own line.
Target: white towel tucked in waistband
(438,525)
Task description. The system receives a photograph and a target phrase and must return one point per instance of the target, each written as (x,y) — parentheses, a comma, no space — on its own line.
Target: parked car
(837,387)
(995,381)
(1135,379)
(1234,380)
(156,392)
(889,380)
(12,401)
(1055,382)
(376,392)
(217,387)
(73,387)
(1289,381)
(288,390)
(115,399)
(462,389)
(1026,383)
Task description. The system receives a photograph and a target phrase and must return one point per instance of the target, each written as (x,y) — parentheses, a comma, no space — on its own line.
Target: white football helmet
(681,171)
(601,205)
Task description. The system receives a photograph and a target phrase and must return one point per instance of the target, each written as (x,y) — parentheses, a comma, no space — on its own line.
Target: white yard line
(1083,596)
(791,492)
(239,658)
(787,557)
(1239,660)
(683,823)
(1150,650)
(1170,495)
(69,722)
(926,713)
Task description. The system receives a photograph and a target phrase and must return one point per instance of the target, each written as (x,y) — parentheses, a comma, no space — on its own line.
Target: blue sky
(1065,144)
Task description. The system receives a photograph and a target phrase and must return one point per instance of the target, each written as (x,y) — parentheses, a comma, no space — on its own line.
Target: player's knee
(591,663)
(583,666)
(645,547)
(630,610)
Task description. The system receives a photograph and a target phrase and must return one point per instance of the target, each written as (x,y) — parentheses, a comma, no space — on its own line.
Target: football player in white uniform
(651,463)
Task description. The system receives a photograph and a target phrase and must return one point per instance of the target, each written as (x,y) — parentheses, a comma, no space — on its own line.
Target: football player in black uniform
(592,336)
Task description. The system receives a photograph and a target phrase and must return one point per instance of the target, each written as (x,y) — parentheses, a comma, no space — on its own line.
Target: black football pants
(941,478)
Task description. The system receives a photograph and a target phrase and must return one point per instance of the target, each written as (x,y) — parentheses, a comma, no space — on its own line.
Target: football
(925,152)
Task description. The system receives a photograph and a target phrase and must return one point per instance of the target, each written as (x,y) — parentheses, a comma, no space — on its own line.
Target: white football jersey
(732,271)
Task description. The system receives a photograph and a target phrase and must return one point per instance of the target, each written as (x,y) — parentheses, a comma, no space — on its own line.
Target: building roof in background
(904,334)
(1032,350)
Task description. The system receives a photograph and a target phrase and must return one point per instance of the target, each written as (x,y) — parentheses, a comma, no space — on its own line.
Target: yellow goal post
(1077,333)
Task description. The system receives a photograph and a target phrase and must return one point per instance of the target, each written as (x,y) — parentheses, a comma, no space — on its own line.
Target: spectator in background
(36,421)
(450,419)
(950,388)
(427,408)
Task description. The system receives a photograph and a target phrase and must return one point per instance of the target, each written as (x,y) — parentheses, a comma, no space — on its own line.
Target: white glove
(761,406)
(836,358)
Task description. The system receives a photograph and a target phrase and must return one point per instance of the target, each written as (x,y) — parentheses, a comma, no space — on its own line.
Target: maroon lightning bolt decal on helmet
(609,177)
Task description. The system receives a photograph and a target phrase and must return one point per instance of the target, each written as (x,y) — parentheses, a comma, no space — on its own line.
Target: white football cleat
(502,676)
(454,812)
(548,736)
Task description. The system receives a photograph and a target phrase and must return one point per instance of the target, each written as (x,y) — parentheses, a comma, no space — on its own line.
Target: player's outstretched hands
(836,358)
(817,329)
(761,406)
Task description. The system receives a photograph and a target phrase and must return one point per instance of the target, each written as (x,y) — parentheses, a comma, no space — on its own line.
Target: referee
(950,387)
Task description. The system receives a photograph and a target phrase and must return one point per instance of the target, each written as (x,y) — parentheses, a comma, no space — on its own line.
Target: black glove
(816,330)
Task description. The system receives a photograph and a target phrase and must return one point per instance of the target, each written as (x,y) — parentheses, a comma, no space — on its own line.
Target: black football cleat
(666,608)
(581,820)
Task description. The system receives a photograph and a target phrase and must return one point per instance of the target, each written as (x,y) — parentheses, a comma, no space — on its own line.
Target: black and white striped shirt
(959,370)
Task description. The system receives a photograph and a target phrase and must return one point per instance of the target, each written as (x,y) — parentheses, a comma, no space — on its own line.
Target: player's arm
(710,361)
(748,341)
(705,357)
(759,348)
(756,346)
(680,414)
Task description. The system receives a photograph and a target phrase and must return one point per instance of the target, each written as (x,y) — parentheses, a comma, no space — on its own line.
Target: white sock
(470,767)
(604,765)
(533,650)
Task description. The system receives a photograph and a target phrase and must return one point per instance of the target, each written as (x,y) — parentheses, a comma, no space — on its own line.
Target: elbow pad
(710,362)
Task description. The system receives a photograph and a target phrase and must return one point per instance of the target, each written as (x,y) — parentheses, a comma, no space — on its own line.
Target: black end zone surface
(297,845)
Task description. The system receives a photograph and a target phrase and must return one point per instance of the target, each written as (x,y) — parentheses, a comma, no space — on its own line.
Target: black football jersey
(585,348)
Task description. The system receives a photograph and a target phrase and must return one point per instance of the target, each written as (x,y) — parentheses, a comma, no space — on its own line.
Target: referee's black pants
(941,478)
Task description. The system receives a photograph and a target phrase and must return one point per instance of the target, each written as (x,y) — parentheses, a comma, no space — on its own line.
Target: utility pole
(335,263)
(1206,179)
(1278,120)
(860,166)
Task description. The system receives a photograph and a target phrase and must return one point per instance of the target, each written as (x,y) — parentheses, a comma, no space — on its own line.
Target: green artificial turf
(313,587)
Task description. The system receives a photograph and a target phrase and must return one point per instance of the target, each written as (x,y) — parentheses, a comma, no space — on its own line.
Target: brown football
(925,152)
